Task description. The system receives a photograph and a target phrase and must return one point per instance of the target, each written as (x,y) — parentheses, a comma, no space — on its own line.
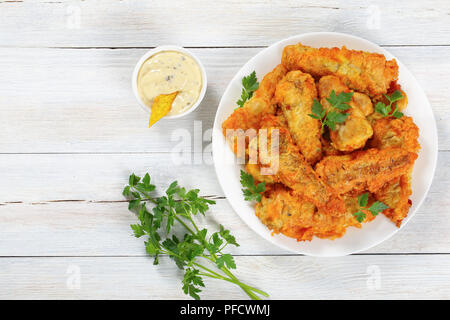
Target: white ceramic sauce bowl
(152,52)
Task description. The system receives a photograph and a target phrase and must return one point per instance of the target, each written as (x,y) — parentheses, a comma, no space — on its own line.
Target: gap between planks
(234,254)
(200,47)
(44,202)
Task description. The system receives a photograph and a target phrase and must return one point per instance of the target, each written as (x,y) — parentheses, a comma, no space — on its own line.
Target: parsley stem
(185,225)
(236,280)
(207,269)
(247,291)
(232,279)
(195,239)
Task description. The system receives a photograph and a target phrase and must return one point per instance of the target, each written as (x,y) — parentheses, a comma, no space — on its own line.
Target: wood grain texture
(285,277)
(71,132)
(65,100)
(71,205)
(220,23)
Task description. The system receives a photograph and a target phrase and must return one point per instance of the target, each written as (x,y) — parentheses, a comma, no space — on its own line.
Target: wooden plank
(69,205)
(64,100)
(226,23)
(285,277)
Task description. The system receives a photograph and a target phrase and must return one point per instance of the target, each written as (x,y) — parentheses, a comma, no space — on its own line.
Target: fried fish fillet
(365,72)
(295,93)
(283,211)
(255,170)
(395,194)
(249,116)
(364,170)
(235,127)
(268,84)
(356,130)
(293,170)
(391,132)
(402,133)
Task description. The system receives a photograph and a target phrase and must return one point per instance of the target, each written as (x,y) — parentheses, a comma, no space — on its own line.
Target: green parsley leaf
(360,216)
(397,114)
(385,110)
(397,95)
(250,84)
(381,108)
(191,283)
(318,109)
(226,259)
(363,199)
(225,234)
(252,191)
(174,211)
(126,191)
(138,230)
(377,207)
(133,180)
(334,115)
(340,101)
(374,209)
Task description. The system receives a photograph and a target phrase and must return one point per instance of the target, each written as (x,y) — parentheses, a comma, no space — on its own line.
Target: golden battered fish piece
(242,119)
(295,93)
(363,103)
(365,72)
(255,171)
(364,170)
(356,130)
(327,148)
(249,116)
(283,211)
(395,194)
(402,133)
(294,171)
(266,89)
(391,132)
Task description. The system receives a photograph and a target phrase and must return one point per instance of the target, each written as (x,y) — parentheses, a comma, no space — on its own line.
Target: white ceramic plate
(355,239)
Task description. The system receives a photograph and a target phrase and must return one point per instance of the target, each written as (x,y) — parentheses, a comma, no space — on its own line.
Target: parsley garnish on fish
(331,118)
(170,229)
(385,110)
(250,84)
(374,209)
(251,192)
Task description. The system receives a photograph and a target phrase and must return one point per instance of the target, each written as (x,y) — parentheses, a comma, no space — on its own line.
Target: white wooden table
(71,132)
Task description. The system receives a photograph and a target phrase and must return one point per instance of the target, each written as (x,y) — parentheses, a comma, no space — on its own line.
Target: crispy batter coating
(255,171)
(293,169)
(364,170)
(301,201)
(402,133)
(249,116)
(363,103)
(242,119)
(268,84)
(356,130)
(365,72)
(395,194)
(283,211)
(391,132)
(296,93)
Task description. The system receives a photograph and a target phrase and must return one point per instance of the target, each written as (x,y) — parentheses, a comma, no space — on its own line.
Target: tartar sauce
(169,71)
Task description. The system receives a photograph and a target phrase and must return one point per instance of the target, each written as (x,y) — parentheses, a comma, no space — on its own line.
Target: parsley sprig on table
(385,110)
(250,84)
(338,103)
(251,192)
(374,209)
(192,248)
